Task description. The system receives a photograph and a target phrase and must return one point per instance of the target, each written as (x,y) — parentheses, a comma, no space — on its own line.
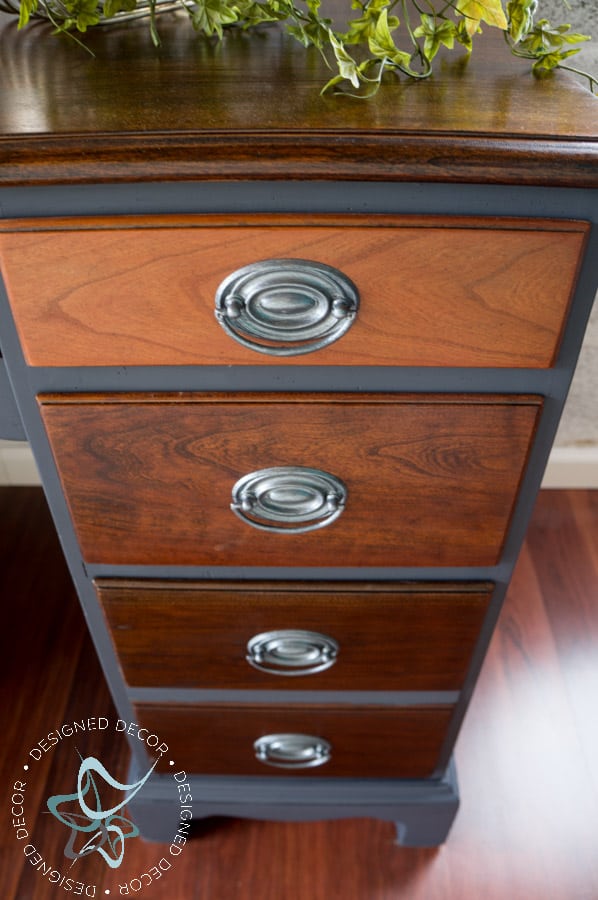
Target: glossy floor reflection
(527,756)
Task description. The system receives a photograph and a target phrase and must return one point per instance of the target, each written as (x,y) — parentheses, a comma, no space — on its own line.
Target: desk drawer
(427,479)
(432,291)
(374,742)
(376,636)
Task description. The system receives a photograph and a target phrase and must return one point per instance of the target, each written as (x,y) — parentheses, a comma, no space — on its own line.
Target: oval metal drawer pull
(285,307)
(292,751)
(292,652)
(289,499)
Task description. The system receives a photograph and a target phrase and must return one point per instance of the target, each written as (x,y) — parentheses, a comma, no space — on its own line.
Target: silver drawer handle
(292,652)
(292,751)
(285,307)
(289,499)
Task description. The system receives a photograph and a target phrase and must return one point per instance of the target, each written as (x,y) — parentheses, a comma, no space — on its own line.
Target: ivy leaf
(520,14)
(311,34)
(313,31)
(382,45)
(26,10)
(543,38)
(112,7)
(436,32)
(210,16)
(476,11)
(332,83)
(549,61)
(259,13)
(360,30)
(347,66)
(82,14)
(463,36)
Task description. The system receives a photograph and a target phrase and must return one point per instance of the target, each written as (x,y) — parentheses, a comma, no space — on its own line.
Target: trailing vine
(381,37)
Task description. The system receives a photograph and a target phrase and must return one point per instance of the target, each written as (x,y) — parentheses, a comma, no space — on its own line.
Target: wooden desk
(387,391)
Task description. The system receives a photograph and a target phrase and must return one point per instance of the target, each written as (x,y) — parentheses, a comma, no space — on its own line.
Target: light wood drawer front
(375,742)
(431,480)
(434,291)
(377,636)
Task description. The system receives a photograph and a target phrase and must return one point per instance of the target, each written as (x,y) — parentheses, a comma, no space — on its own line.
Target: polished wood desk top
(195,110)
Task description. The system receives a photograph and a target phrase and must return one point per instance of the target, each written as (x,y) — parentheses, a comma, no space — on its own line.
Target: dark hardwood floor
(527,755)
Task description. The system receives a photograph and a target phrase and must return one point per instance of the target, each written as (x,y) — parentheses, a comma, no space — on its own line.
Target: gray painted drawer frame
(423,809)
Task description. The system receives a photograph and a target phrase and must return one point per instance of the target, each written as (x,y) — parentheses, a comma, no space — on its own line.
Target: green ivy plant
(381,37)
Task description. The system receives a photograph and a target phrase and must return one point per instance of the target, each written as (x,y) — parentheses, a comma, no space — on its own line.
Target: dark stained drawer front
(228,635)
(434,291)
(430,480)
(375,742)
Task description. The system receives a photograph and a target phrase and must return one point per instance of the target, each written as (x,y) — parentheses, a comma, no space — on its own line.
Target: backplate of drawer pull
(292,751)
(292,651)
(286,307)
(288,499)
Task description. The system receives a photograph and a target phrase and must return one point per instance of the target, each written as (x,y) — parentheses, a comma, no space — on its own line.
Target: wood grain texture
(251,108)
(431,480)
(526,829)
(434,292)
(32,675)
(391,636)
(380,741)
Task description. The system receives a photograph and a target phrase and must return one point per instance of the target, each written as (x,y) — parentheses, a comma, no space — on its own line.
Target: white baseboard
(568,467)
(17,465)
(572,467)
